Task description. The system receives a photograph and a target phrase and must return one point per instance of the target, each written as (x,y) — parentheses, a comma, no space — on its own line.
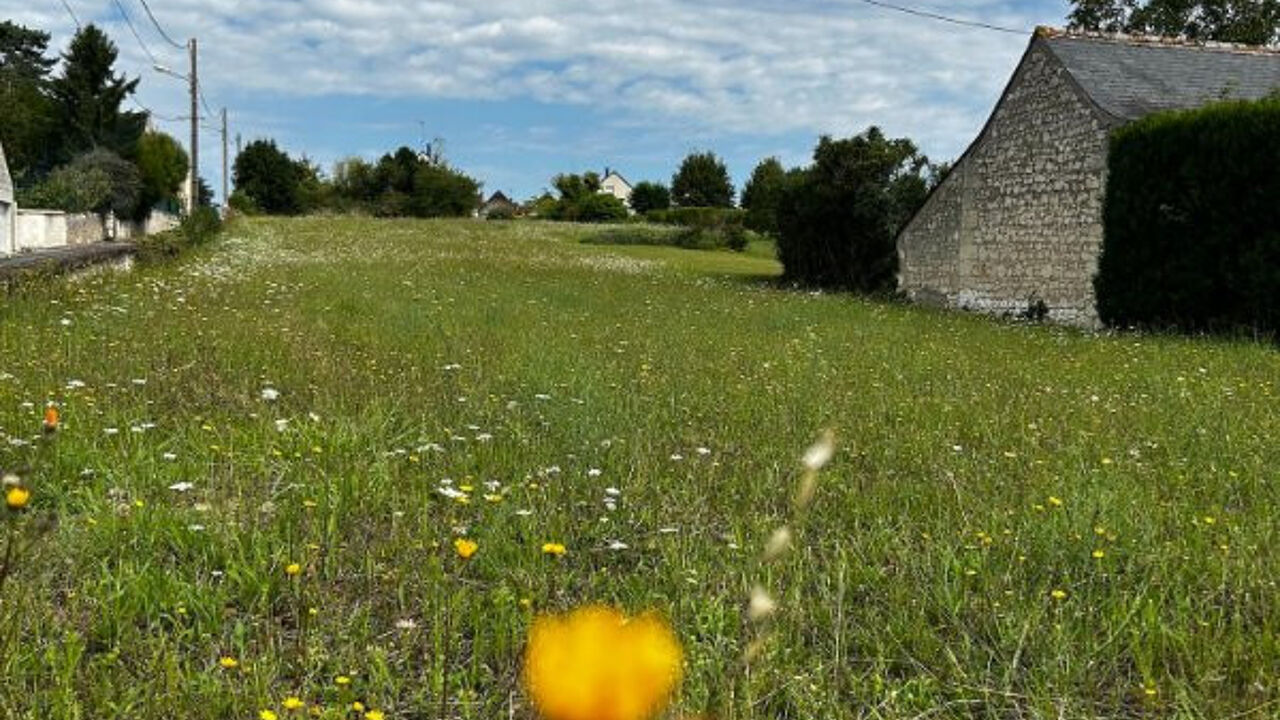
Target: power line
(207,109)
(72,13)
(134,30)
(160,29)
(944,18)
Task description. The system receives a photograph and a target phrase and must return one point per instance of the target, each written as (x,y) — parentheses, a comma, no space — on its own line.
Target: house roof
(499,197)
(1130,76)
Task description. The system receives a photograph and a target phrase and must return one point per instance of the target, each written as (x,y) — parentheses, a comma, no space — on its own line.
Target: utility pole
(194,180)
(225,197)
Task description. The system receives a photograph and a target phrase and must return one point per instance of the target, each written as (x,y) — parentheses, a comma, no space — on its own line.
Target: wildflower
(270,394)
(1056,502)
(466,548)
(1099,554)
(597,664)
(342,681)
(228,663)
(293,703)
(293,569)
(374,715)
(1059,594)
(357,706)
(51,419)
(553,549)
(761,605)
(267,715)
(17,497)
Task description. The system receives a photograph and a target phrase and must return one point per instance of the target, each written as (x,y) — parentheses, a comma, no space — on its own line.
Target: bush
(647,196)
(1192,221)
(837,219)
(196,229)
(706,228)
(98,181)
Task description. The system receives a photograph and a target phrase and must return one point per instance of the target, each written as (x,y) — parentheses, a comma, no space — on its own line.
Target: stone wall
(1019,220)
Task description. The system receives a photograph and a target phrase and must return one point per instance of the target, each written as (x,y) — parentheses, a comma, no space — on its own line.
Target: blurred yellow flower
(553,549)
(374,715)
(293,569)
(228,663)
(596,664)
(1059,594)
(466,548)
(293,703)
(17,497)
(267,715)
(342,681)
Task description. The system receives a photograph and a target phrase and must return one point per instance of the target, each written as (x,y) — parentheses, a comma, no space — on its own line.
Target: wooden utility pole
(226,205)
(193,185)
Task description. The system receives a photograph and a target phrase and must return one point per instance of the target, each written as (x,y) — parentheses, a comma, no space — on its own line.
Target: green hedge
(1192,221)
(707,228)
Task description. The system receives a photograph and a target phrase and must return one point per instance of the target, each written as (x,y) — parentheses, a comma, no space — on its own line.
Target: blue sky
(520,90)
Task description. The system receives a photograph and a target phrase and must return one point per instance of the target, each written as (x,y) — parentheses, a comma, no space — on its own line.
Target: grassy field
(1018,521)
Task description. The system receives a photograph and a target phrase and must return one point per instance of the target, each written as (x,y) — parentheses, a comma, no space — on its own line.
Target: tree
(268,178)
(163,166)
(25,106)
(646,196)
(1253,22)
(838,219)
(761,195)
(702,181)
(87,97)
(98,181)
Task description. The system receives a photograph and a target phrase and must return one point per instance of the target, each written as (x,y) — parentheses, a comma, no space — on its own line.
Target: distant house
(1017,223)
(499,204)
(8,210)
(614,184)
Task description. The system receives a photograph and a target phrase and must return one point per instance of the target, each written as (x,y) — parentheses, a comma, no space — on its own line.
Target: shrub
(1192,221)
(269,177)
(98,181)
(196,229)
(647,196)
(705,227)
(601,207)
(837,219)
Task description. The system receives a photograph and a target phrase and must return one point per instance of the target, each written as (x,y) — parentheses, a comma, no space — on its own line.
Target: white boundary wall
(46,229)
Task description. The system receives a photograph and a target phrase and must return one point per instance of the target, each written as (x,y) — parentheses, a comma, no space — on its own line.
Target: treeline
(835,221)
(400,184)
(69,141)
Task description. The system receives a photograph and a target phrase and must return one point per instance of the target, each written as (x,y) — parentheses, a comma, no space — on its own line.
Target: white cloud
(752,68)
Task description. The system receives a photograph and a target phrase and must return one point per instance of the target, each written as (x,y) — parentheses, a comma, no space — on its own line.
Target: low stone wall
(46,229)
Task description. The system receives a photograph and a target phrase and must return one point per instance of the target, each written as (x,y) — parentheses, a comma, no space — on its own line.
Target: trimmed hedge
(708,227)
(1192,221)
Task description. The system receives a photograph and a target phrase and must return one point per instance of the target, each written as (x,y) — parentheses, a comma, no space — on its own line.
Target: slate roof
(1130,77)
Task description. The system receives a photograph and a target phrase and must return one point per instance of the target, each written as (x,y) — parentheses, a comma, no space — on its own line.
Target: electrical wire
(160,29)
(944,18)
(67,6)
(134,30)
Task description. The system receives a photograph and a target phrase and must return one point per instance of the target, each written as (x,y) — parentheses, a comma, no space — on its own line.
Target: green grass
(406,353)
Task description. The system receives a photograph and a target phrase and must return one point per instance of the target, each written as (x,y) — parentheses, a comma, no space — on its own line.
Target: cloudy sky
(522,89)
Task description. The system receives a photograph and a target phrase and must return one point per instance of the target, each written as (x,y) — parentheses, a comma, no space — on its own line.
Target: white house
(8,210)
(616,185)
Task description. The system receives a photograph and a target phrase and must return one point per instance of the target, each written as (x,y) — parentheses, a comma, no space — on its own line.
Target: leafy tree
(87,98)
(1254,22)
(702,181)
(646,196)
(838,219)
(403,183)
(163,166)
(99,181)
(268,178)
(25,106)
(439,191)
(581,200)
(761,195)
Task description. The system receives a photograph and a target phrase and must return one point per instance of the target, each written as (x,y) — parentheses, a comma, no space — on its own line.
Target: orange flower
(597,664)
(51,418)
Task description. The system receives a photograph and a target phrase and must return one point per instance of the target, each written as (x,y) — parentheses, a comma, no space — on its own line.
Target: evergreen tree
(702,181)
(24,101)
(761,195)
(87,97)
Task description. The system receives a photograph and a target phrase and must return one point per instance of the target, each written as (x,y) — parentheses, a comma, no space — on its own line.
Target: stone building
(1017,224)
(8,210)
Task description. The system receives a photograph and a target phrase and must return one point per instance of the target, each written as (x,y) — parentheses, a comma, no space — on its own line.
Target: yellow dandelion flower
(1099,554)
(228,663)
(1055,501)
(357,706)
(267,715)
(342,681)
(293,703)
(465,548)
(597,664)
(374,715)
(17,497)
(1059,594)
(556,549)
(293,569)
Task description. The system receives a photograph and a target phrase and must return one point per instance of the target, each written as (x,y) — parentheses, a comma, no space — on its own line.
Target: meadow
(269,449)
